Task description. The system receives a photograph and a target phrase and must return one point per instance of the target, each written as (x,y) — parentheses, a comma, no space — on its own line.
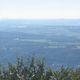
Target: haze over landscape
(57,41)
(49,29)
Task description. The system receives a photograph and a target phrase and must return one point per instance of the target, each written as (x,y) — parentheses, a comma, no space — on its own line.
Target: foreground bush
(35,70)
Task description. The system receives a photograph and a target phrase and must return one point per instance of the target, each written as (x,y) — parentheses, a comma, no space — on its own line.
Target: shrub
(35,70)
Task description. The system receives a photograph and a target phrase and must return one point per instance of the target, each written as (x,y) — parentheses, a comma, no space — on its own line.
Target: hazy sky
(39,9)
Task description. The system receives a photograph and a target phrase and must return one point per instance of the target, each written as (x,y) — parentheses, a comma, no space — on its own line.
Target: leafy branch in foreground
(35,70)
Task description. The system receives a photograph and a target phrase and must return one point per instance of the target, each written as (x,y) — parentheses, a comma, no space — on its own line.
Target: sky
(39,9)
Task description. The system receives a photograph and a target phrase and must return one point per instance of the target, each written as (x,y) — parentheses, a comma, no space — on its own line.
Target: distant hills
(52,22)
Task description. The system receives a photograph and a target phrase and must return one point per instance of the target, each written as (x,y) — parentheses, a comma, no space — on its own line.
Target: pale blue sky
(39,9)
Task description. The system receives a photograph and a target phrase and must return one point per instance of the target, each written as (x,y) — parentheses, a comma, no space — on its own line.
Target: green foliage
(35,70)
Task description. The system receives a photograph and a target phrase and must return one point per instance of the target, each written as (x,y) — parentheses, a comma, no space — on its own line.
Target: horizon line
(40,19)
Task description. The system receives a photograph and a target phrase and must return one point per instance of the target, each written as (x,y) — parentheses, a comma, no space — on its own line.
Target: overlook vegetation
(35,70)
